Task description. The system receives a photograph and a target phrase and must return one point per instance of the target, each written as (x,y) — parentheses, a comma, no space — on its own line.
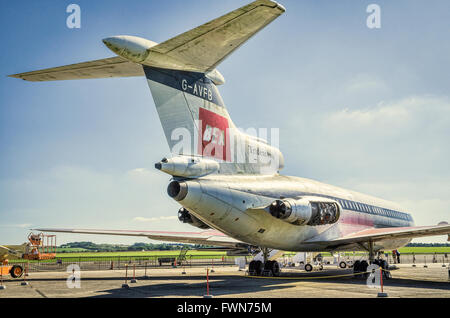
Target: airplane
(228,183)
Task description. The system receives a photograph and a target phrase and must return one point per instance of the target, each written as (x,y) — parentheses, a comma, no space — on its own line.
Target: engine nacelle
(188,167)
(306,211)
(187,218)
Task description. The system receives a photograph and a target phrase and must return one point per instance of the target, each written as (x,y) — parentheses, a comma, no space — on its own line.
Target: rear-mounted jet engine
(306,211)
(188,167)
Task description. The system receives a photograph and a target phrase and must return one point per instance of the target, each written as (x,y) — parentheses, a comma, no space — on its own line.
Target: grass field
(126,256)
(196,254)
(424,250)
(200,254)
(115,256)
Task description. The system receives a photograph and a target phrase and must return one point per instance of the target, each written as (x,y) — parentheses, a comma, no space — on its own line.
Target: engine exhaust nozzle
(177,190)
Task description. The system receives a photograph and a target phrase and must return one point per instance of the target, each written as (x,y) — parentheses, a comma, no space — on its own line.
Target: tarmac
(228,282)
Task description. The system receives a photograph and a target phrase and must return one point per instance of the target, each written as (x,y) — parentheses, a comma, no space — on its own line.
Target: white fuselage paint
(226,202)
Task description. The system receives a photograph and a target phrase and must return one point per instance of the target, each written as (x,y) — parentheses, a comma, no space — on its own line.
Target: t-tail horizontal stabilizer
(198,50)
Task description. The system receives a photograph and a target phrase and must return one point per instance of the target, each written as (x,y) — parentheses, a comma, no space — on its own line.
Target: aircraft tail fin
(191,110)
(182,76)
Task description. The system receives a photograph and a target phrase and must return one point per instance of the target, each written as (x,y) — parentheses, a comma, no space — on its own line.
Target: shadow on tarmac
(223,285)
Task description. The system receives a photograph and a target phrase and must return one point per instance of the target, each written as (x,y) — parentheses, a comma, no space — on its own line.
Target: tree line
(136,247)
(428,245)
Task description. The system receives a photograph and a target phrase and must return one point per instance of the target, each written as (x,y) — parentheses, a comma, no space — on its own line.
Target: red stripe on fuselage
(357,219)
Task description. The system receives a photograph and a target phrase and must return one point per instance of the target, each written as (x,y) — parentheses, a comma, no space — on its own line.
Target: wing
(203,48)
(4,250)
(374,235)
(12,250)
(212,238)
(106,68)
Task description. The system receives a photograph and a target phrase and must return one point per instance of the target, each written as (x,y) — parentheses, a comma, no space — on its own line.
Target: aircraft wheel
(268,266)
(276,269)
(363,268)
(252,268)
(308,268)
(356,267)
(320,267)
(364,265)
(16,271)
(343,265)
(259,267)
(256,267)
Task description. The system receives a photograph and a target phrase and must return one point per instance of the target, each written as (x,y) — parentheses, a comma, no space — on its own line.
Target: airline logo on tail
(214,139)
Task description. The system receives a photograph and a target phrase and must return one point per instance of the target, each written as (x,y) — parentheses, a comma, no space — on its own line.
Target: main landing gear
(360,267)
(264,268)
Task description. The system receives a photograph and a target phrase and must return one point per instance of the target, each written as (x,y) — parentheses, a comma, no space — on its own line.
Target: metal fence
(421,259)
(167,261)
(438,258)
(121,262)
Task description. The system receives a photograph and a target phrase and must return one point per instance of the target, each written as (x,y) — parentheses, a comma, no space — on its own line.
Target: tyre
(255,268)
(343,265)
(268,266)
(251,267)
(276,269)
(16,271)
(258,268)
(308,268)
(363,269)
(356,267)
(363,266)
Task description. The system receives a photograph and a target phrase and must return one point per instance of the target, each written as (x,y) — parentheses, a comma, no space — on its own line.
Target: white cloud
(416,112)
(397,150)
(80,197)
(408,136)
(365,84)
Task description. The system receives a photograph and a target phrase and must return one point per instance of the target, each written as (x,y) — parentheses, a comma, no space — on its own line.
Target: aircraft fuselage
(230,204)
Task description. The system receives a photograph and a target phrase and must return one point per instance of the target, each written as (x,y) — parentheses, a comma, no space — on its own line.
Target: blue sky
(364,109)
